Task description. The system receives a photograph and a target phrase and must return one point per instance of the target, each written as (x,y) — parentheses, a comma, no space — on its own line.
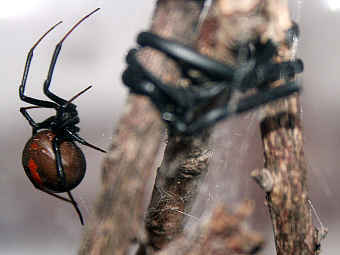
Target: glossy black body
(51,159)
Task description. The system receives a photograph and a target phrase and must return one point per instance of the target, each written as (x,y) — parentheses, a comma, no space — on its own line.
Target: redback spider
(51,159)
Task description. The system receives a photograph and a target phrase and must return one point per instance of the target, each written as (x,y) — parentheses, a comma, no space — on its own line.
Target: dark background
(34,223)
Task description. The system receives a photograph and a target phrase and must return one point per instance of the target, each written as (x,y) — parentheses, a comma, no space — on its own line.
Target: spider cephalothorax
(51,159)
(179,105)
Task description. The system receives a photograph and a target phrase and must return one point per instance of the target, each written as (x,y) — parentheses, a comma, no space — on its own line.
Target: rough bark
(186,159)
(118,225)
(126,168)
(284,178)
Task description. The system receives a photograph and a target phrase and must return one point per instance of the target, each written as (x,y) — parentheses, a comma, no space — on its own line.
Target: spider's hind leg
(83,141)
(61,174)
(75,205)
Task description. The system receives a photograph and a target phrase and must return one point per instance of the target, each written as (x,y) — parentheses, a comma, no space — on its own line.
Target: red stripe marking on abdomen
(32,166)
(34,146)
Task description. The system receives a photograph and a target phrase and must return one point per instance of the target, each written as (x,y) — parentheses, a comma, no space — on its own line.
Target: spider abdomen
(39,162)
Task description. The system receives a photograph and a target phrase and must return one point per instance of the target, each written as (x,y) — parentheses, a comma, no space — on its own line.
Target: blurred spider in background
(181,107)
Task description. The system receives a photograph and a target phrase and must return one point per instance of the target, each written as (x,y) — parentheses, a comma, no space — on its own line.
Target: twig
(284,176)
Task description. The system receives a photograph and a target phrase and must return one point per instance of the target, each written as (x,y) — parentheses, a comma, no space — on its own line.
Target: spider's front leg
(22,87)
(47,83)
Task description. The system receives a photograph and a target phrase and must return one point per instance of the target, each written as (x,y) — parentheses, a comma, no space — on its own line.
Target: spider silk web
(237,151)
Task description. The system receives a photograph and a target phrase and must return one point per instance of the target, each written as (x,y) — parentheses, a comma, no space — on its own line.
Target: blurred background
(32,222)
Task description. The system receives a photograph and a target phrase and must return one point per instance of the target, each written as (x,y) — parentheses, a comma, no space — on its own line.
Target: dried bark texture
(284,176)
(222,232)
(183,168)
(185,161)
(118,223)
(118,226)
(177,183)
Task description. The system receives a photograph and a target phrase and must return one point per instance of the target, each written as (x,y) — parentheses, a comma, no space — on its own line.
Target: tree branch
(284,178)
(185,161)
(118,225)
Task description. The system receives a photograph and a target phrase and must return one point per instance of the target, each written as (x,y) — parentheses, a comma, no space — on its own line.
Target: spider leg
(207,120)
(179,105)
(145,88)
(262,70)
(164,96)
(71,200)
(187,55)
(35,126)
(137,78)
(28,117)
(262,75)
(47,82)
(75,205)
(266,96)
(55,195)
(60,169)
(56,52)
(292,34)
(61,174)
(176,104)
(245,104)
(82,141)
(22,87)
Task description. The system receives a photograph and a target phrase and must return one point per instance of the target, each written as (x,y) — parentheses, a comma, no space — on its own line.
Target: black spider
(178,105)
(51,159)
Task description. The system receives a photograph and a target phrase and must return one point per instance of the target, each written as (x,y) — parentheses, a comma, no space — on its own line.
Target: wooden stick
(118,225)
(284,178)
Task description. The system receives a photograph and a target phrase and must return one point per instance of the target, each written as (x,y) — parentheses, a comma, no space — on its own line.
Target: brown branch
(118,223)
(284,176)
(185,162)
(127,166)
(178,179)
